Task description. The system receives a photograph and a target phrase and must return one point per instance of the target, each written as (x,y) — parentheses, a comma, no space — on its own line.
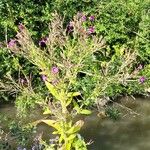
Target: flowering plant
(68,58)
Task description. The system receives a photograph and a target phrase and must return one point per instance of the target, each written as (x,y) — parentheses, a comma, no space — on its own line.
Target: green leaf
(76,107)
(56,132)
(52,90)
(71,94)
(68,101)
(76,127)
(85,112)
(53,124)
(47,111)
(80,110)
(71,137)
(61,138)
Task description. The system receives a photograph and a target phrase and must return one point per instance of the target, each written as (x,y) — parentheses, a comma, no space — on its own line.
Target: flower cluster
(84,18)
(54,71)
(12,43)
(91,29)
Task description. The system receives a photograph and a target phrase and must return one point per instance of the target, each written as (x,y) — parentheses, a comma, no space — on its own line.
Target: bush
(78,66)
(120,22)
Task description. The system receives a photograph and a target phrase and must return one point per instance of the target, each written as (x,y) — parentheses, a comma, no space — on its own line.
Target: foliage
(113,113)
(119,22)
(80,61)
(21,134)
(67,55)
(14,132)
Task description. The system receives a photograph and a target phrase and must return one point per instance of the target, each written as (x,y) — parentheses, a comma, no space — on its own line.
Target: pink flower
(22,81)
(83,18)
(21,26)
(91,30)
(142,79)
(91,18)
(54,70)
(44,77)
(11,43)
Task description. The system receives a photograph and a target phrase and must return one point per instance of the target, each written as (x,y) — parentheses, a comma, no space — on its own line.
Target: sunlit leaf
(53,124)
(47,111)
(68,101)
(71,137)
(71,94)
(85,112)
(52,90)
(56,132)
(76,127)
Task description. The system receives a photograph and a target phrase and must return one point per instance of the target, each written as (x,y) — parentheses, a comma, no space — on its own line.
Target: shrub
(119,22)
(72,63)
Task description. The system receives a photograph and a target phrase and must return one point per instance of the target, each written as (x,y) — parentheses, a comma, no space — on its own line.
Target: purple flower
(83,18)
(91,30)
(21,26)
(142,79)
(69,28)
(11,43)
(91,18)
(42,42)
(44,77)
(54,70)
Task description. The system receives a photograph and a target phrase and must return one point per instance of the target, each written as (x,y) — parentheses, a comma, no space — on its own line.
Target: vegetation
(70,61)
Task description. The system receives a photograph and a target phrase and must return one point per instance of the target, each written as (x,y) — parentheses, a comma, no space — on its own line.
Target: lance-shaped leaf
(71,94)
(80,110)
(52,123)
(52,90)
(76,127)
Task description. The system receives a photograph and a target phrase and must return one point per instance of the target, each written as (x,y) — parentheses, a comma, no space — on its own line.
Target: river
(130,132)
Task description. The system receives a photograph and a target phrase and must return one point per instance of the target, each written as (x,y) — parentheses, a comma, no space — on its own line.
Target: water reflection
(131,132)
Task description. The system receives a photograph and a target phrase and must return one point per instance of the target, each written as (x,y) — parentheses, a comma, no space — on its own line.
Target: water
(131,132)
